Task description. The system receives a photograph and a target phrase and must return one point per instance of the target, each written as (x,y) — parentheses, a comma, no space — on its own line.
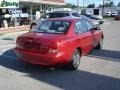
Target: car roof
(64,19)
(62,12)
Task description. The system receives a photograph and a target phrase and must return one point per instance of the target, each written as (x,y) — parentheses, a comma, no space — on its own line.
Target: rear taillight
(51,49)
(54,51)
(55,48)
(19,42)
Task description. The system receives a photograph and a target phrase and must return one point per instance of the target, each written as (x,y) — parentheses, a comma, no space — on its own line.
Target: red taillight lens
(54,51)
(44,49)
(19,42)
(55,48)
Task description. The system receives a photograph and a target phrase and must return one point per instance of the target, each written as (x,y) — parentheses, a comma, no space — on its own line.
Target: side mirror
(94,29)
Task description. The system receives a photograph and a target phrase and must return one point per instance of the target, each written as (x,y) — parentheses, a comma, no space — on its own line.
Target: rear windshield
(52,26)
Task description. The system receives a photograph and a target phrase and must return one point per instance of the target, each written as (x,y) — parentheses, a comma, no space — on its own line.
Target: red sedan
(59,41)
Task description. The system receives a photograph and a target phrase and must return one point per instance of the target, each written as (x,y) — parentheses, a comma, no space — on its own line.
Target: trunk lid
(41,42)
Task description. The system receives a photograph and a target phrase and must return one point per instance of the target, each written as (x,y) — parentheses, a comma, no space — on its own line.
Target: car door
(96,34)
(84,36)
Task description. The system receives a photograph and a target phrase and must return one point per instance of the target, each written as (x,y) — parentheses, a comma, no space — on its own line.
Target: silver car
(55,14)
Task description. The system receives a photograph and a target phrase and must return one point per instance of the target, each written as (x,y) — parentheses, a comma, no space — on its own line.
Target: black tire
(75,61)
(100,45)
(32,25)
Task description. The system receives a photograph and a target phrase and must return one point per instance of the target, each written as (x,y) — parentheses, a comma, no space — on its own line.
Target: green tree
(111,4)
(100,6)
(91,6)
(119,4)
(69,5)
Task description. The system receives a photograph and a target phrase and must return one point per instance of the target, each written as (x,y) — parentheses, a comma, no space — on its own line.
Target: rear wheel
(100,45)
(75,61)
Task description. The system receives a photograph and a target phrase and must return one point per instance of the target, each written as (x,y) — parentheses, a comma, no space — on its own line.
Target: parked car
(117,17)
(95,20)
(114,14)
(59,42)
(107,14)
(55,14)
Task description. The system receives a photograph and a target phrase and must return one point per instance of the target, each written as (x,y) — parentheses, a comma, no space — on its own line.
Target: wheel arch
(80,50)
(102,36)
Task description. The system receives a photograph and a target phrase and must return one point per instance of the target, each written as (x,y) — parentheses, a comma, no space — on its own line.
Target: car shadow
(61,78)
(105,54)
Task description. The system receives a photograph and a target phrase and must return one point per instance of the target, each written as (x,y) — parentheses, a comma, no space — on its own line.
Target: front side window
(80,27)
(88,24)
(52,26)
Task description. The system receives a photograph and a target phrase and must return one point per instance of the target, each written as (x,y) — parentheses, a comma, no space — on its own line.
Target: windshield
(52,26)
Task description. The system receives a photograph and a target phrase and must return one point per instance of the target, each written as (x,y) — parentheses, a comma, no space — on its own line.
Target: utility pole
(84,6)
(103,8)
(77,6)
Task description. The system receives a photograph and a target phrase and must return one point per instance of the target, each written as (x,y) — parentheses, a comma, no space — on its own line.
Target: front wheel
(75,60)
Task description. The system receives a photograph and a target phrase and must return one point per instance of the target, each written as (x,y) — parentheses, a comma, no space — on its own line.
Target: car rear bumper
(41,59)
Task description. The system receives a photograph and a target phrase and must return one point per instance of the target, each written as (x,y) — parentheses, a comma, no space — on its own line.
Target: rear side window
(80,27)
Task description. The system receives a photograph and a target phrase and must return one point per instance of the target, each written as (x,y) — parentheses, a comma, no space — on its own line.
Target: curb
(13,29)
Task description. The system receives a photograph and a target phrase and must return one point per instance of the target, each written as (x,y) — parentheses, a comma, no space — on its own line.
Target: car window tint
(57,15)
(88,24)
(77,28)
(53,26)
(45,26)
(80,27)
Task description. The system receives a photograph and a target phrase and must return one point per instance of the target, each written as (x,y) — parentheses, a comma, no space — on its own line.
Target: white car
(94,19)
(114,13)
(108,14)
(55,14)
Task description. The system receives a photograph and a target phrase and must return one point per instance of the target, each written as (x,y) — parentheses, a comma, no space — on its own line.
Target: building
(28,10)
(106,9)
(43,6)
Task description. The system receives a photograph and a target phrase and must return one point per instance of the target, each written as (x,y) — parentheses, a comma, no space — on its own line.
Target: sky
(97,2)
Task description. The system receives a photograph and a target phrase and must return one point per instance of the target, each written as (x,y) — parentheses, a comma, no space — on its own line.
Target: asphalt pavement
(99,70)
